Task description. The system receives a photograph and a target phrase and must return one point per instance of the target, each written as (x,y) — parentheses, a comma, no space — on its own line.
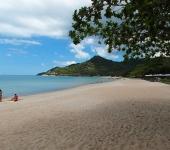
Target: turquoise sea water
(26,85)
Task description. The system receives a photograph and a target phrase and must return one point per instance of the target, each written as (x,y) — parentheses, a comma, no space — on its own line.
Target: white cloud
(42,64)
(102,51)
(26,18)
(78,50)
(17,51)
(89,41)
(35,55)
(18,42)
(61,64)
(9,55)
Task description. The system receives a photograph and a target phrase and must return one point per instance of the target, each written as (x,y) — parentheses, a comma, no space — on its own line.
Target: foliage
(165,80)
(159,65)
(140,28)
(97,66)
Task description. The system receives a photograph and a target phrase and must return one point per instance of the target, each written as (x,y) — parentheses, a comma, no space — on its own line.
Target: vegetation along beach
(122,114)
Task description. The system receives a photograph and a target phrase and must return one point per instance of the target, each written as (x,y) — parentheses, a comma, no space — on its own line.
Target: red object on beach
(16,98)
(0,95)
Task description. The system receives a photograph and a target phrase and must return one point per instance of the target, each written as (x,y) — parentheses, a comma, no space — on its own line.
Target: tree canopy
(140,28)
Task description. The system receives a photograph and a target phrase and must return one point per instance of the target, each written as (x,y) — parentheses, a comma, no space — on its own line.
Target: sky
(34,37)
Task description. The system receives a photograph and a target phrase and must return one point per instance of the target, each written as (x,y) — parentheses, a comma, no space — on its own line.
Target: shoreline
(114,78)
(122,114)
(44,85)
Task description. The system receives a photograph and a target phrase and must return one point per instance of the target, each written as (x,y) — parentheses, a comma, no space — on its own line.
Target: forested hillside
(98,66)
(159,65)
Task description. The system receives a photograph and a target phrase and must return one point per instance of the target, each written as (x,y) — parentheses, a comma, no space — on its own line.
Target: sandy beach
(126,114)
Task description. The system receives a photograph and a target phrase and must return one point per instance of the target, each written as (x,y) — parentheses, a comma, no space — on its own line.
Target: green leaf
(142,27)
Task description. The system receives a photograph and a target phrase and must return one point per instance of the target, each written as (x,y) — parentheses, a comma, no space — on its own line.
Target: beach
(126,114)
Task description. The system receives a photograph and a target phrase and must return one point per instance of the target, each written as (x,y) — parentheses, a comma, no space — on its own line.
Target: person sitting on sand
(0,95)
(15,98)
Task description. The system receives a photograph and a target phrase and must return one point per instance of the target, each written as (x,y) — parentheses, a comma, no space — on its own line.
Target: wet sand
(126,114)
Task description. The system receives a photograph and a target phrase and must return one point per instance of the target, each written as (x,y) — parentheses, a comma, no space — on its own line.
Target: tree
(141,28)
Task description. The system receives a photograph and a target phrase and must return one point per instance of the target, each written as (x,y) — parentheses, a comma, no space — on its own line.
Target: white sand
(127,114)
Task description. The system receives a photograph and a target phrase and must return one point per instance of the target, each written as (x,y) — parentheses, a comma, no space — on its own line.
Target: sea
(32,84)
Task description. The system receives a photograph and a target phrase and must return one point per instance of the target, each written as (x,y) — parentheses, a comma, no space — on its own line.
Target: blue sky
(34,37)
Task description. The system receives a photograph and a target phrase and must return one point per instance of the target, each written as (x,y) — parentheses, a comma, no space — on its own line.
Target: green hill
(98,66)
